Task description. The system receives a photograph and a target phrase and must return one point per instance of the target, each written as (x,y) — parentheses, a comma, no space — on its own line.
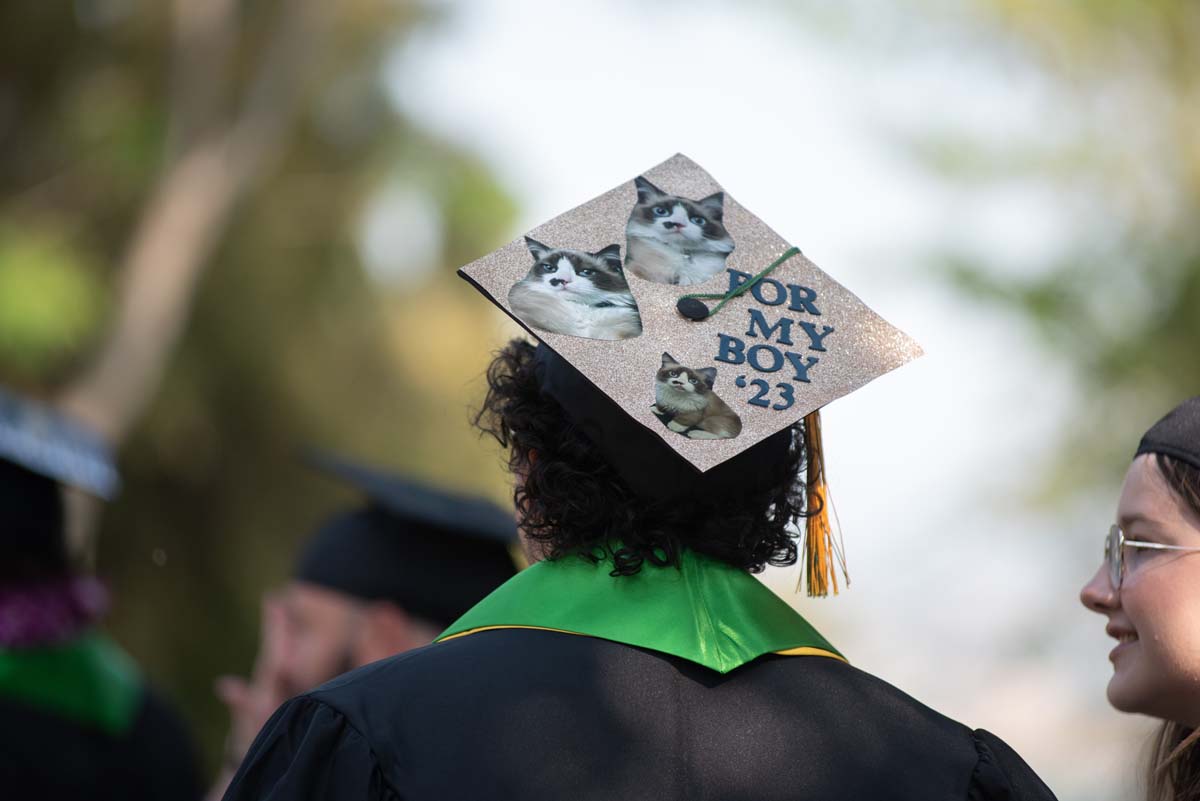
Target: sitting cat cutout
(686,404)
(577,293)
(673,240)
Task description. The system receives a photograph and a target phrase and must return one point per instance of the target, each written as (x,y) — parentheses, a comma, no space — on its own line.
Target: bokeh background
(229,229)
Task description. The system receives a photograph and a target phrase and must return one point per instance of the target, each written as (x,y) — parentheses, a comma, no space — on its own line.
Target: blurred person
(77,719)
(638,657)
(1149,590)
(374,580)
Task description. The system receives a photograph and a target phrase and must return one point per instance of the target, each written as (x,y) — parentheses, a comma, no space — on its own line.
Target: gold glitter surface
(862,347)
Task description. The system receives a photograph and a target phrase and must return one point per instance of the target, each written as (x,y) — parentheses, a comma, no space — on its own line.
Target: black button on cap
(692,309)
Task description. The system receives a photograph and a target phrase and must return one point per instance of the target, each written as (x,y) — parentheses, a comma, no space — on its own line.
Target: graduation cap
(41,449)
(43,441)
(432,552)
(686,338)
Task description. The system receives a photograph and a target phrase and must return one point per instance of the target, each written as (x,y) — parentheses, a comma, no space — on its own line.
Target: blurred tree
(183,186)
(1121,302)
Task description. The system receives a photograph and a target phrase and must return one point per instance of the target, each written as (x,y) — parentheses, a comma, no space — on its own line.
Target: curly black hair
(573,502)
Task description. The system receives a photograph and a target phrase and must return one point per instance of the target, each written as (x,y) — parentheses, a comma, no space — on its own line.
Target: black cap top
(432,552)
(1177,435)
(647,464)
(44,441)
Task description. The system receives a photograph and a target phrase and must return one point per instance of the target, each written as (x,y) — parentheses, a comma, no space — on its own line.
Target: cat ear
(646,189)
(668,359)
(715,201)
(709,374)
(536,248)
(612,255)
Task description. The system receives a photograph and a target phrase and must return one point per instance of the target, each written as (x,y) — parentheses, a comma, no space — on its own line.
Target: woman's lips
(1125,640)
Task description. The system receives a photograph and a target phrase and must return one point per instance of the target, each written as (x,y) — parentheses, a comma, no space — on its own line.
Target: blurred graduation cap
(686,338)
(432,552)
(41,449)
(46,442)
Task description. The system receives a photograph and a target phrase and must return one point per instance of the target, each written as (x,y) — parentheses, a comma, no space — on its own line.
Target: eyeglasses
(1114,553)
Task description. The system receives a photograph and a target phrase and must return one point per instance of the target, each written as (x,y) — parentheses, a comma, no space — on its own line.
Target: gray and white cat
(578,293)
(673,240)
(686,403)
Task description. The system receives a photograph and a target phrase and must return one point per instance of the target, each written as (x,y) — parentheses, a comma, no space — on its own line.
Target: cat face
(674,377)
(575,274)
(678,222)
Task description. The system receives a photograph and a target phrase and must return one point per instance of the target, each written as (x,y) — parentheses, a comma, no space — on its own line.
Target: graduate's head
(1149,585)
(576,493)
(388,574)
(328,632)
(32,545)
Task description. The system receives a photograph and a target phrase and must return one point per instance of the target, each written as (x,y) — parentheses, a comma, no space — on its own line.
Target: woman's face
(1155,616)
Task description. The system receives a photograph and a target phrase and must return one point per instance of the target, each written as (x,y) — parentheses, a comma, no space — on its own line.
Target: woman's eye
(660,211)
(698,220)
(1138,556)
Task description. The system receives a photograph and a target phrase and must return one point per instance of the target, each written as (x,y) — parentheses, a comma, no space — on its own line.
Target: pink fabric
(49,612)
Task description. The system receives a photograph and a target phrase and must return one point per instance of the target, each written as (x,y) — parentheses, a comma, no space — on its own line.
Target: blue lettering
(752,356)
(803,299)
(780,292)
(784,326)
(801,367)
(814,337)
(731,349)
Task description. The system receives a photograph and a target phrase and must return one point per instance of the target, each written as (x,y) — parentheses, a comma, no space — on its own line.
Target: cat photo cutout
(674,240)
(685,402)
(577,293)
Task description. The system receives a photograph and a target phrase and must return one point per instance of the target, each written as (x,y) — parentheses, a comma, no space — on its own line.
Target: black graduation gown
(45,756)
(531,715)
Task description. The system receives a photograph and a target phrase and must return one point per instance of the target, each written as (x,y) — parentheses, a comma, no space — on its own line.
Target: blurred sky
(964,592)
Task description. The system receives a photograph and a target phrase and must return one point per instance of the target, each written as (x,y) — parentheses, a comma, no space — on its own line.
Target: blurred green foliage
(51,303)
(1120,153)
(290,342)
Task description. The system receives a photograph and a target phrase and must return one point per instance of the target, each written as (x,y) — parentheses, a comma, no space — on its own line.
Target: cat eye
(659,211)
(692,380)
(587,271)
(673,373)
(549,268)
(698,220)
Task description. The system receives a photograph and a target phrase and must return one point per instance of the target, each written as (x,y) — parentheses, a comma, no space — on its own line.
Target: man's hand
(251,702)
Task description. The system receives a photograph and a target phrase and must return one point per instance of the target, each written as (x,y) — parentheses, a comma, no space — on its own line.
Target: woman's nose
(1098,594)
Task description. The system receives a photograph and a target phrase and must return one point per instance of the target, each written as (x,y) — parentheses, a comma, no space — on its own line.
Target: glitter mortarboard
(697,320)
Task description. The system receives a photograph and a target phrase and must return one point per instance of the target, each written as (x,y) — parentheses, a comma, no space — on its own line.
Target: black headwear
(433,553)
(641,457)
(1177,435)
(39,450)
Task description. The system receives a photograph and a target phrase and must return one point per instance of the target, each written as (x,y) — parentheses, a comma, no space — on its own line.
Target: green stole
(89,680)
(706,611)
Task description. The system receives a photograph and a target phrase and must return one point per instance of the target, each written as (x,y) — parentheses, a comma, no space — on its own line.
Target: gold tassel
(821,550)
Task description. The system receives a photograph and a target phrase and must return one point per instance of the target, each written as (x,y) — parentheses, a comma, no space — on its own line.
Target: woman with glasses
(1149,589)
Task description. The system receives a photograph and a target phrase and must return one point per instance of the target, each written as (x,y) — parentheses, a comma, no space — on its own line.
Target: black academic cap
(432,552)
(45,442)
(1177,435)
(41,449)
